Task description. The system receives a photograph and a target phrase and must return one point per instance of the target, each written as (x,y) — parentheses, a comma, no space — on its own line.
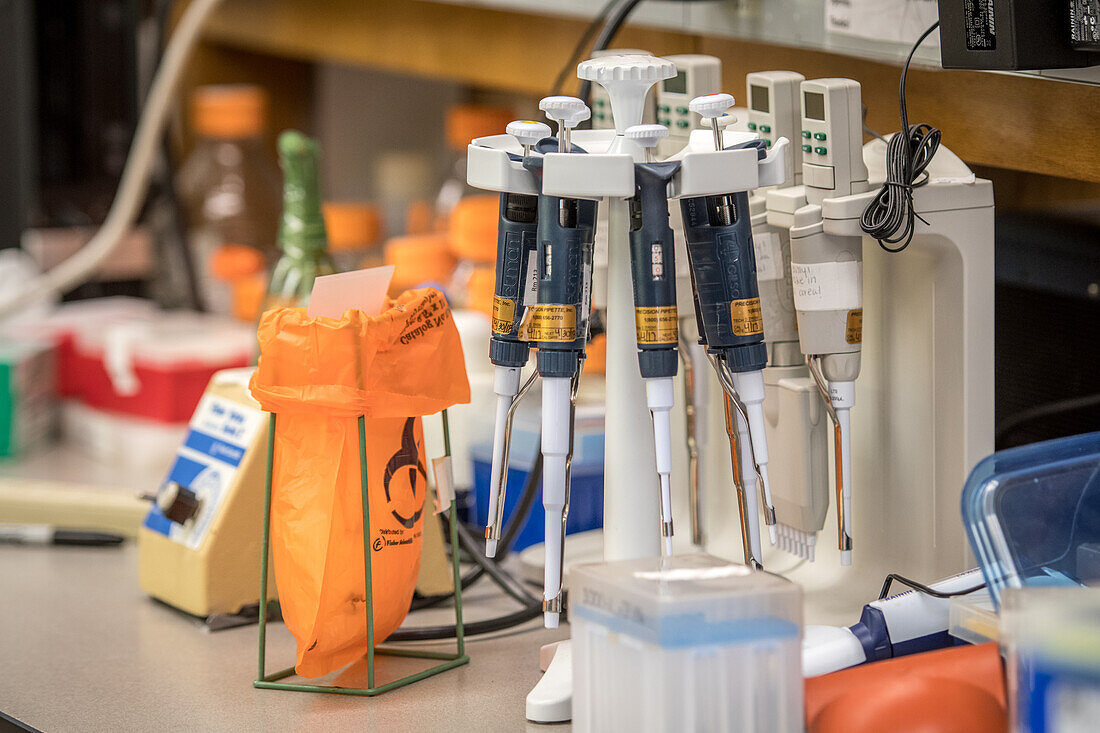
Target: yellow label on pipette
(853,332)
(549,323)
(504,311)
(746,317)
(657,325)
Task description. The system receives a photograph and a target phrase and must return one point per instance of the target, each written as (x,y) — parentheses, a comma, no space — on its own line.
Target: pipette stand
(924,398)
(606,173)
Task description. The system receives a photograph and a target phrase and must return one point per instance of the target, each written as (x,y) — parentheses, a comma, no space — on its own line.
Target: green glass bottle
(302,236)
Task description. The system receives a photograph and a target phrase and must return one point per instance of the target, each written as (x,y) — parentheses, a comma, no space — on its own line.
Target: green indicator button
(598,102)
(806,134)
(682,123)
(819,136)
(665,121)
(682,110)
(765,128)
(821,150)
(767,143)
(663,108)
(807,149)
(752,125)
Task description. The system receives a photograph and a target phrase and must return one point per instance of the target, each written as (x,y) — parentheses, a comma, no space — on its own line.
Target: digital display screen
(677,84)
(815,105)
(758,99)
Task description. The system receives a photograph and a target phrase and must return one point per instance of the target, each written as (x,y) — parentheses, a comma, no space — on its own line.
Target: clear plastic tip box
(686,643)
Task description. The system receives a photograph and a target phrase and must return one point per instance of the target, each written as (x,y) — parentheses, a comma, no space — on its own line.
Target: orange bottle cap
(472,228)
(417,259)
(232,262)
(480,289)
(229,111)
(352,225)
(464,122)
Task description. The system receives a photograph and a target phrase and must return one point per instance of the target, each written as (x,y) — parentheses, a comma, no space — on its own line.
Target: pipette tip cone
(845,557)
(668,546)
(490,548)
(771,533)
(550,619)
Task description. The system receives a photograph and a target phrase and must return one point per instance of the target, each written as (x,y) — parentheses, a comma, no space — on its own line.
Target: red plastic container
(159,367)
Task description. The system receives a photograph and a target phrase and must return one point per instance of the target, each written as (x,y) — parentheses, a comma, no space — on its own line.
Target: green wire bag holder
(447,660)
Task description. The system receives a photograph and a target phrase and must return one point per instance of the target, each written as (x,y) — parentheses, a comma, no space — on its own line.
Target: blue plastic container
(1032,514)
(586,496)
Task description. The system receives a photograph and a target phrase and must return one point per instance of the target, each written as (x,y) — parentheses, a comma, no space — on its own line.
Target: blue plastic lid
(1032,514)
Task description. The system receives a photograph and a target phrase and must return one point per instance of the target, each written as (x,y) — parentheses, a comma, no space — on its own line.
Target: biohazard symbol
(406,459)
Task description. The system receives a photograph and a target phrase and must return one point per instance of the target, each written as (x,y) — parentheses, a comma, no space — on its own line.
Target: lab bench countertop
(84,649)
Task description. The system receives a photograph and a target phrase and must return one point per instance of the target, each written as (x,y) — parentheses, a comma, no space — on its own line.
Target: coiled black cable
(890,217)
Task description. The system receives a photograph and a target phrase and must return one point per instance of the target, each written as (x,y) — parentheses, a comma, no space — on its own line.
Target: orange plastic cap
(418,259)
(466,121)
(595,361)
(472,228)
(232,262)
(352,225)
(229,111)
(480,289)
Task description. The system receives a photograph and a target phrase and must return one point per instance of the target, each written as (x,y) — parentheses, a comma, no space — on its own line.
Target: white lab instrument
(827,269)
(696,75)
(607,171)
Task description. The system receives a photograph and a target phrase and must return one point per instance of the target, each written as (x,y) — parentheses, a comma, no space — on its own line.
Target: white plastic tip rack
(796,541)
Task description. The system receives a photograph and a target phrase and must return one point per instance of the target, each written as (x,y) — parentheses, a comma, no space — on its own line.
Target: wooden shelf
(1004,120)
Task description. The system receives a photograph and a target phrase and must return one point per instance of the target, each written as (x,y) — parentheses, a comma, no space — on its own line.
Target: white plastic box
(687,643)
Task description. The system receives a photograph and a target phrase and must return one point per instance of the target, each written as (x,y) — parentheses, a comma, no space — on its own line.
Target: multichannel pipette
(727,302)
(558,325)
(653,271)
(827,269)
(796,430)
(516,288)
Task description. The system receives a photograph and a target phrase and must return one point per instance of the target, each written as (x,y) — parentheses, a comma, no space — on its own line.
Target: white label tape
(444,483)
(827,286)
(531,287)
(769,258)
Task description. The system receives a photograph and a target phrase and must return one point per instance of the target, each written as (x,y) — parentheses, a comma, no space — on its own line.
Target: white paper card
(363,290)
(769,258)
(444,483)
(827,286)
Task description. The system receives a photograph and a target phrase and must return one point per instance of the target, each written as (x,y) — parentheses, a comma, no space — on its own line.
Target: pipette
(827,269)
(558,325)
(653,271)
(516,288)
(723,266)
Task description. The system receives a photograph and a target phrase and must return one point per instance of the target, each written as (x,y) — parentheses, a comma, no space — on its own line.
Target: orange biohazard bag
(319,375)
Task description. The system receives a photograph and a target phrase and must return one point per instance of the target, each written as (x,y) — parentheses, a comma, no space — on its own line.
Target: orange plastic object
(480,288)
(472,228)
(319,375)
(352,225)
(420,218)
(418,259)
(595,361)
(229,111)
(248,297)
(232,262)
(956,690)
(464,122)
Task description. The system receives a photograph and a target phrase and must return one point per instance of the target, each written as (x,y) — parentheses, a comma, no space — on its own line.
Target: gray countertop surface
(84,649)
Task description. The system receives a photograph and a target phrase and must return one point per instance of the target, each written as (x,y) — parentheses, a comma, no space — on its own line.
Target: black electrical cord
(582,44)
(885,592)
(890,217)
(1039,412)
(512,528)
(615,17)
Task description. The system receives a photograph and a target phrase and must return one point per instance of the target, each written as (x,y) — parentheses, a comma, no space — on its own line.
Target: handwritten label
(769,258)
(827,286)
